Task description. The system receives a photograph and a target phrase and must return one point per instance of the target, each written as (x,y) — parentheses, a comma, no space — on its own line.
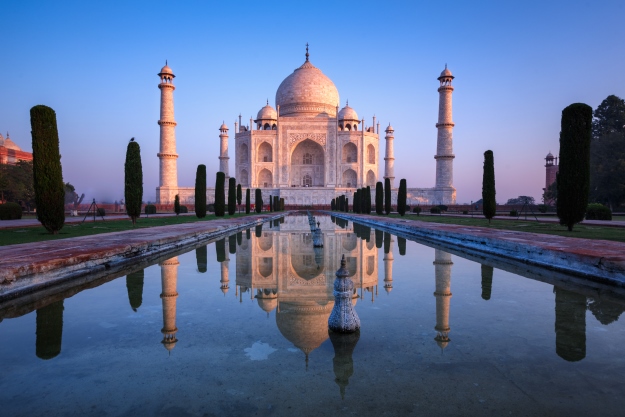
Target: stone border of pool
(597,260)
(31,266)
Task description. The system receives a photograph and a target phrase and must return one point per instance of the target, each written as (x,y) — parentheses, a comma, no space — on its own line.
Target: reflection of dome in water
(267,299)
(304,323)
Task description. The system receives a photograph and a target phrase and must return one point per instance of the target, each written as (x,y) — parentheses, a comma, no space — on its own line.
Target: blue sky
(517,65)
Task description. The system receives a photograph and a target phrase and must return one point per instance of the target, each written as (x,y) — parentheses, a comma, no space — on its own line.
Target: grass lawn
(89,227)
(582,231)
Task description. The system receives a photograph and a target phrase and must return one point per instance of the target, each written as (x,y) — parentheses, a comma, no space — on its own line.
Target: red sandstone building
(10,153)
(551,169)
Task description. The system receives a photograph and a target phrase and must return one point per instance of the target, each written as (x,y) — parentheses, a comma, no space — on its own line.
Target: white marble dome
(347,113)
(307,92)
(267,113)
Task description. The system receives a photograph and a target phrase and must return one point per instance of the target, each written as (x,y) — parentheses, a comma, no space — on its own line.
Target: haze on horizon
(516,65)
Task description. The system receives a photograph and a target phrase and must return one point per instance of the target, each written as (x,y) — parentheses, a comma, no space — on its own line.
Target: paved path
(37,264)
(554,219)
(30,222)
(600,260)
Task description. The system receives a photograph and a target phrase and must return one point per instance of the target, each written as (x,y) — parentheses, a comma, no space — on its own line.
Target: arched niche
(265,242)
(244,178)
(350,179)
(303,260)
(370,264)
(349,241)
(308,162)
(371,154)
(265,178)
(265,152)
(265,266)
(371,178)
(243,155)
(350,153)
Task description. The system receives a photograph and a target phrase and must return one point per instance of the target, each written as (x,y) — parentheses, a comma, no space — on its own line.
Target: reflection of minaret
(225,268)
(169,278)
(49,330)
(344,345)
(442,272)
(388,264)
(570,325)
(134,285)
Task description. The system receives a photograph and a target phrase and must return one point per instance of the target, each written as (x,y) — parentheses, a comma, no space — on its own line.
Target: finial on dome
(343,261)
(347,102)
(445,65)
(267,101)
(307,54)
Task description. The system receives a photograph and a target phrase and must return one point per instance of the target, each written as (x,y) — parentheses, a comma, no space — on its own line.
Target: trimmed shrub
(598,212)
(177,205)
(47,172)
(489,205)
(184,209)
(101,212)
(10,211)
(210,208)
(514,213)
(200,191)
(150,209)
(573,177)
(401,197)
(417,210)
(232,196)
(220,196)
(435,210)
(465,211)
(442,207)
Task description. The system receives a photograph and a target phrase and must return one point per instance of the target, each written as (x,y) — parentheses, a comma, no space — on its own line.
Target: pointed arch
(265,152)
(350,153)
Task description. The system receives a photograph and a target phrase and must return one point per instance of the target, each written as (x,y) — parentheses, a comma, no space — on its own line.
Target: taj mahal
(305,149)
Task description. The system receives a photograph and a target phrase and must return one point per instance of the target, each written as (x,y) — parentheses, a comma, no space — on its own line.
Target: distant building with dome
(307,150)
(10,153)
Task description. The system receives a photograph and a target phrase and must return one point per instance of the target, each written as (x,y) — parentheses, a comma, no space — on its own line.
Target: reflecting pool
(239,327)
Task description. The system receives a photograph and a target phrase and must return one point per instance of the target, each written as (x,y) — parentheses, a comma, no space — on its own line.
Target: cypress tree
(489,205)
(200,191)
(276,203)
(201,257)
(355,200)
(220,196)
(387,195)
(47,172)
(487,281)
(177,204)
(239,194)
(346,205)
(258,200)
(282,209)
(379,198)
(401,245)
(232,196)
(368,196)
(401,197)
(332,205)
(133,179)
(574,173)
(248,204)
(134,286)
(270,203)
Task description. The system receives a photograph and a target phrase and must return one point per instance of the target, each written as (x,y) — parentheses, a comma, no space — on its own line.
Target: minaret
(389,159)
(169,278)
(168,170)
(444,143)
(388,268)
(442,272)
(223,150)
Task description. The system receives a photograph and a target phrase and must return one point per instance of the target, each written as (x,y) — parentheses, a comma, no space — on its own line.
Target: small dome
(267,113)
(446,73)
(549,156)
(268,304)
(166,70)
(389,128)
(223,126)
(347,113)
(9,144)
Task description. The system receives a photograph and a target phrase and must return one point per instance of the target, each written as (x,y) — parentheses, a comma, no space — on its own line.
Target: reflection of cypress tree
(379,238)
(134,285)
(401,244)
(248,234)
(605,311)
(387,242)
(570,325)
(344,345)
(201,257)
(487,281)
(232,244)
(357,230)
(239,238)
(366,233)
(49,330)
(220,247)
(259,230)
(333,219)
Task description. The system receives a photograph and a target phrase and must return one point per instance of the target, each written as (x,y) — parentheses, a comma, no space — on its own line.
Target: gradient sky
(517,65)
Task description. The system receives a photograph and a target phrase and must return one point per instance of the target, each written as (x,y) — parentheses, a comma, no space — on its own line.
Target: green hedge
(101,212)
(184,209)
(417,210)
(210,208)
(10,211)
(598,212)
(514,213)
(435,210)
(150,209)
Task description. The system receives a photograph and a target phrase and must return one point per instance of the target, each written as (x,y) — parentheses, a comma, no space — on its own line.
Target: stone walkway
(554,219)
(599,260)
(11,224)
(38,264)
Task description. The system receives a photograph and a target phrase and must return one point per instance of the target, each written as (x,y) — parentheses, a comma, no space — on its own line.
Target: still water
(239,327)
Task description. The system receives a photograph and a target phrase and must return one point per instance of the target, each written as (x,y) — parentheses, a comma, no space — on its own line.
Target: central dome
(307,92)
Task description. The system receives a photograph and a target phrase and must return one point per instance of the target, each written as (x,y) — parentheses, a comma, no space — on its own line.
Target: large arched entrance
(308,165)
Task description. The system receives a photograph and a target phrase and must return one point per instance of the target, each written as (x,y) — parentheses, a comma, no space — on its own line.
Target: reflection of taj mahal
(306,150)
